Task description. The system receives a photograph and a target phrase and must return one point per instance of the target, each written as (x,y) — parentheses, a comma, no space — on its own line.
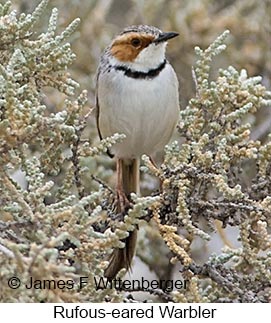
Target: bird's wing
(97,106)
(98,112)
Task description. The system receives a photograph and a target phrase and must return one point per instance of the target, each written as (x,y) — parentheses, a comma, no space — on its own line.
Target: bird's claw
(122,202)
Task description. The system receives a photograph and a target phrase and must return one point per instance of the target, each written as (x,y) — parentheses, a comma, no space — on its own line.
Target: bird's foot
(122,203)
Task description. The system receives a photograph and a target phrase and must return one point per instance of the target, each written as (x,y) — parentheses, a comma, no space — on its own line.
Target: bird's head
(140,47)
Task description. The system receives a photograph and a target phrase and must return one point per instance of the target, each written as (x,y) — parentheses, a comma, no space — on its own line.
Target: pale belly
(146,111)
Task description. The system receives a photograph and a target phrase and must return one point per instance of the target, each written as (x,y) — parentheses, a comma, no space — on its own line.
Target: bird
(137,94)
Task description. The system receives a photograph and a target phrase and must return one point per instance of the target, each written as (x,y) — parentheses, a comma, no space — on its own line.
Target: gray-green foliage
(206,178)
(44,206)
(54,225)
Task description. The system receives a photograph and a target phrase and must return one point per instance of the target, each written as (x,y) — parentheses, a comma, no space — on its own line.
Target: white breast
(145,110)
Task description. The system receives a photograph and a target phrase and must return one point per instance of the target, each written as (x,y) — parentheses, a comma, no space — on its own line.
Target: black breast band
(142,75)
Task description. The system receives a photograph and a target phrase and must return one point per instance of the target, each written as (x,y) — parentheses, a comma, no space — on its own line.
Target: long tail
(122,258)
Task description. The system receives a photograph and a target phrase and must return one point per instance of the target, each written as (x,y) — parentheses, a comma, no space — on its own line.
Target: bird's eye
(135,42)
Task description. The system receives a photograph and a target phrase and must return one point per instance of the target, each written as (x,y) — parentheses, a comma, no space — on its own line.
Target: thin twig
(98,180)
(6,251)
(75,156)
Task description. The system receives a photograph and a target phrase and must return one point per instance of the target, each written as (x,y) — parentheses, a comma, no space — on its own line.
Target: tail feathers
(122,258)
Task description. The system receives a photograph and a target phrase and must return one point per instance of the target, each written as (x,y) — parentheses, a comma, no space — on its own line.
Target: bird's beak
(165,36)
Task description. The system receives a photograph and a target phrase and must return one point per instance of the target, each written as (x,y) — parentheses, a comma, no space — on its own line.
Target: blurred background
(199,22)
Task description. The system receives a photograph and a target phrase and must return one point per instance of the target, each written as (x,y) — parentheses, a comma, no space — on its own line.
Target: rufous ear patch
(126,47)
